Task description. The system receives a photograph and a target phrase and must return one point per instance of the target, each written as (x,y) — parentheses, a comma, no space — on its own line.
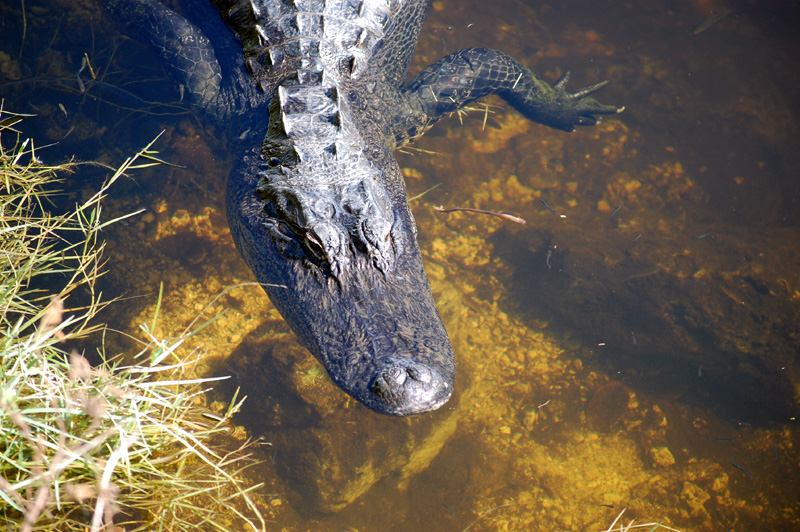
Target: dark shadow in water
(666,335)
(327,448)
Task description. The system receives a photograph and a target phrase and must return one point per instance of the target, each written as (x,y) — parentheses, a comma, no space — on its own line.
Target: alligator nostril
(397,375)
(404,387)
(420,373)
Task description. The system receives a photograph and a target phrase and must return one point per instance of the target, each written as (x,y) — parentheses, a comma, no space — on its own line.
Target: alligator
(311,98)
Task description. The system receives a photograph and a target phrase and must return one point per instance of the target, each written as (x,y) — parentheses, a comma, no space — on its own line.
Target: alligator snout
(405,387)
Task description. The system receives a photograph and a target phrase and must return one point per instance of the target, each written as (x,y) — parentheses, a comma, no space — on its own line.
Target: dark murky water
(637,349)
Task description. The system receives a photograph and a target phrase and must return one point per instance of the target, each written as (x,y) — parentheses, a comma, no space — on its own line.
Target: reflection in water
(636,348)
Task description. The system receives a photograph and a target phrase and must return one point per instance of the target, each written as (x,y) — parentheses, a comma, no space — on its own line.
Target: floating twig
(504,215)
(548,207)
(487,512)
(418,196)
(710,21)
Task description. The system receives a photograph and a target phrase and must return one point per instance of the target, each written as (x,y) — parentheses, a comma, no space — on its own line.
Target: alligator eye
(314,246)
(274,161)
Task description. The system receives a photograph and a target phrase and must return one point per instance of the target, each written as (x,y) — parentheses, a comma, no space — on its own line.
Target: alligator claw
(562,81)
(583,93)
(577,108)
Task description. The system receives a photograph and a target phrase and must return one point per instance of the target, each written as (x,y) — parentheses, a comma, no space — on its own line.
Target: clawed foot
(577,109)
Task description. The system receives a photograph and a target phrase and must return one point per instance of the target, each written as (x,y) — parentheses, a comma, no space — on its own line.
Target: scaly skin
(313,105)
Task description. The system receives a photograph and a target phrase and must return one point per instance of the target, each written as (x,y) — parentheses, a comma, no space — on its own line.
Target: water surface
(635,349)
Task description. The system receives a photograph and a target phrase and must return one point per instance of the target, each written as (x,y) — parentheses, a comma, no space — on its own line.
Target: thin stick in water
(504,215)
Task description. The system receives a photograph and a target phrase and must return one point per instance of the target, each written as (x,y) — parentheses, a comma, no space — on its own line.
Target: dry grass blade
(652,527)
(114,443)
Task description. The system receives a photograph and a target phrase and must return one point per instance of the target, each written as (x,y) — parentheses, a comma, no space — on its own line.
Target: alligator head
(332,229)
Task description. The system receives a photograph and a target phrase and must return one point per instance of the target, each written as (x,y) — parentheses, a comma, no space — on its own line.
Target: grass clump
(104,447)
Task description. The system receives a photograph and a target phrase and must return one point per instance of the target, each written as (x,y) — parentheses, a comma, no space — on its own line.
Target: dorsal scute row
(309,111)
(317,177)
(276,31)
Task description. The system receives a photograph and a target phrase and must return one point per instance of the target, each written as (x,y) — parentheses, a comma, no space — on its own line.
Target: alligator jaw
(384,344)
(374,326)
(381,340)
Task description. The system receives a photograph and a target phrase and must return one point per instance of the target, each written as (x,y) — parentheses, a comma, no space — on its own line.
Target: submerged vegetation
(111,446)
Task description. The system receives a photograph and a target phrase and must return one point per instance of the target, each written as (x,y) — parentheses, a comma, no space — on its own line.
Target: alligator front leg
(221,91)
(185,52)
(472,73)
